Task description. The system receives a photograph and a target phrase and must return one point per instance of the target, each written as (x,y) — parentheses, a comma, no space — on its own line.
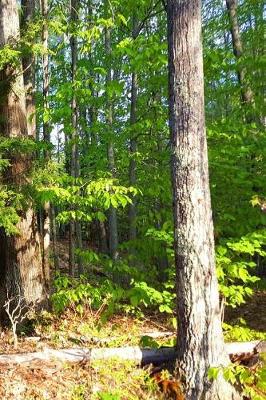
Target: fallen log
(130,353)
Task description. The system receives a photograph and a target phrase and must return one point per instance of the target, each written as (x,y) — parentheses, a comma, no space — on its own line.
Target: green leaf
(213,373)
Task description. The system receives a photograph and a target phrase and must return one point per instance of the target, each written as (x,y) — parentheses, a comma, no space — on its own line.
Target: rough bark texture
(246,92)
(200,338)
(20,255)
(28,63)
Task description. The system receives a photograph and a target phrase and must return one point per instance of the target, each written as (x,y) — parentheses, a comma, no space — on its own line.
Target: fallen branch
(134,353)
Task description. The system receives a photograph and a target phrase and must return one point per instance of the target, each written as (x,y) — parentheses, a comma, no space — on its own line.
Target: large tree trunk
(200,338)
(28,62)
(20,255)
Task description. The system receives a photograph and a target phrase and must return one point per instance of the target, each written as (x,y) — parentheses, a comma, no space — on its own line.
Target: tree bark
(132,214)
(103,248)
(112,217)
(20,255)
(46,229)
(247,96)
(28,63)
(75,226)
(73,46)
(200,343)
(54,238)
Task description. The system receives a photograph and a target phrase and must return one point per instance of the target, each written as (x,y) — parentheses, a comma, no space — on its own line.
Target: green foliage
(14,199)
(80,294)
(234,260)
(78,392)
(10,204)
(109,396)
(235,264)
(141,294)
(240,332)
(250,381)
(9,56)
(87,294)
(79,199)
(148,342)
(15,146)
(27,44)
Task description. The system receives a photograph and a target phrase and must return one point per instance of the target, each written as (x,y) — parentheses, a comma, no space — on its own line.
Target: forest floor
(108,380)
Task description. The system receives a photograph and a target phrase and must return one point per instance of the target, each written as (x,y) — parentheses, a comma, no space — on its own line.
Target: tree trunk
(46,137)
(200,343)
(112,217)
(246,92)
(54,238)
(132,214)
(132,163)
(20,255)
(103,248)
(75,227)
(28,63)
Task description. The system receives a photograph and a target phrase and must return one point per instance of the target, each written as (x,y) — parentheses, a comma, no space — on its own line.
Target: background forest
(94,162)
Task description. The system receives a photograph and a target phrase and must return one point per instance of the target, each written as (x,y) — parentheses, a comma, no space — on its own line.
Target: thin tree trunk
(112,217)
(54,238)
(20,255)
(75,227)
(226,101)
(247,97)
(79,246)
(103,248)
(200,343)
(46,137)
(73,146)
(132,214)
(163,263)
